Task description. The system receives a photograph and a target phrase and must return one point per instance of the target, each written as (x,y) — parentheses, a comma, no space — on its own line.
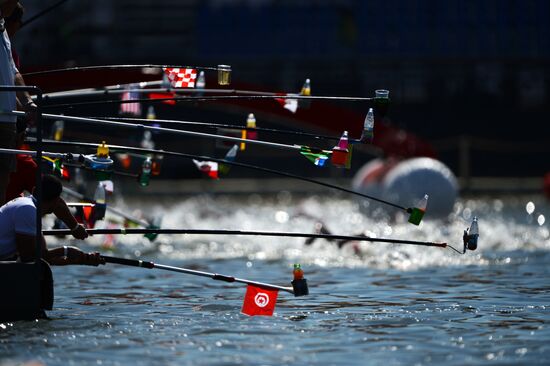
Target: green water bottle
(145,172)
(417,213)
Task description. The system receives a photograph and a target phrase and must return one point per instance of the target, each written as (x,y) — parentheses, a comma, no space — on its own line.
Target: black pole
(210,98)
(296,291)
(222,161)
(248,233)
(116,67)
(227,126)
(41,13)
(38,187)
(129,262)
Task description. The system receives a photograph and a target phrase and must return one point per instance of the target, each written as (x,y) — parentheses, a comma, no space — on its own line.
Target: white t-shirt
(16,216)
(7,78)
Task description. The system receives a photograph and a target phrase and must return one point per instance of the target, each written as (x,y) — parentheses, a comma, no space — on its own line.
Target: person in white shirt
(18,230)
(9,101)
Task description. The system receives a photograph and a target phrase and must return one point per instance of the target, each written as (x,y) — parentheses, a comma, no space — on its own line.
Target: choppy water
(390,304)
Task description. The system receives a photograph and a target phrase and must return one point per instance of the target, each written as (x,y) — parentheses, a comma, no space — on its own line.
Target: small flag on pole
(88,216)
(164,96)
(259,301)
(208,168)
(316,156)
(181,78)
(288,103)
(133,108)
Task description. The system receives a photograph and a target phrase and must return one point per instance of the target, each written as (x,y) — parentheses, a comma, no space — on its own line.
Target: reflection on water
(382,304)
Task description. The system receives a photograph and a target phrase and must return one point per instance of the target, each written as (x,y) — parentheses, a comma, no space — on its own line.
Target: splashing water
(368,302)
(504,227)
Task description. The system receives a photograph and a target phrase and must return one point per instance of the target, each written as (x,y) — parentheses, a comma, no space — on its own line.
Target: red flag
(88,216)
(259,301)
(163,96)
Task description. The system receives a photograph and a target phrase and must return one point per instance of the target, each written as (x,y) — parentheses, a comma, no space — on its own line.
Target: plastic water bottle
(368,127)
(474,230)
(417,213)
(151,113)
(344,142)
(58,127)
(100,203)
(99,195)
(232,153)
(145,172)
(423,204)
(340,153)
(201,81)
(306,88)
(165,81)
(102,150)
(298,272)
(147,141)
(473,234)
(251,123)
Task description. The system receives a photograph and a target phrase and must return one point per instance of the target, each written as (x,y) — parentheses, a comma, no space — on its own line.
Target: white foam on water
(505,225)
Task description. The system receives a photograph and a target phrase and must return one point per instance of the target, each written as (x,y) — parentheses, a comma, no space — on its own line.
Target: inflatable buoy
(405,182)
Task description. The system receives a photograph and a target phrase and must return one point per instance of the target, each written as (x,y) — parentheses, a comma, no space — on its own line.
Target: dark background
(454,68)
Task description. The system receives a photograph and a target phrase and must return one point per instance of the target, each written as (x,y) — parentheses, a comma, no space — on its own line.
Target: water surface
(369,303)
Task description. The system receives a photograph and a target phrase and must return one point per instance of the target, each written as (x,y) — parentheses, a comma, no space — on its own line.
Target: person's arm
(25,101)
(63,213)
(71,255)
(58,256)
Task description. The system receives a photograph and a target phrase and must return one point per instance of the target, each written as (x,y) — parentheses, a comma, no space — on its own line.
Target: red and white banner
(259,301)
(181,78)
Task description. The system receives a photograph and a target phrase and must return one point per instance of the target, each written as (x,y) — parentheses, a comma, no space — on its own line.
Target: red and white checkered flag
(181,78)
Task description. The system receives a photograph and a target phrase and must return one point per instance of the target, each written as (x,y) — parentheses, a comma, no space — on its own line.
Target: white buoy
(405,182)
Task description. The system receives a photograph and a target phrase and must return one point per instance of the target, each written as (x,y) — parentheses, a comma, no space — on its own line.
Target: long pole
(117,67)
(123,231)
(214,276)
(145,88)
(232,163)
(211,98)
(41,13)
(38,187)
(161,129)
(33,153)
(229,127)
(118,89)
(114,210)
